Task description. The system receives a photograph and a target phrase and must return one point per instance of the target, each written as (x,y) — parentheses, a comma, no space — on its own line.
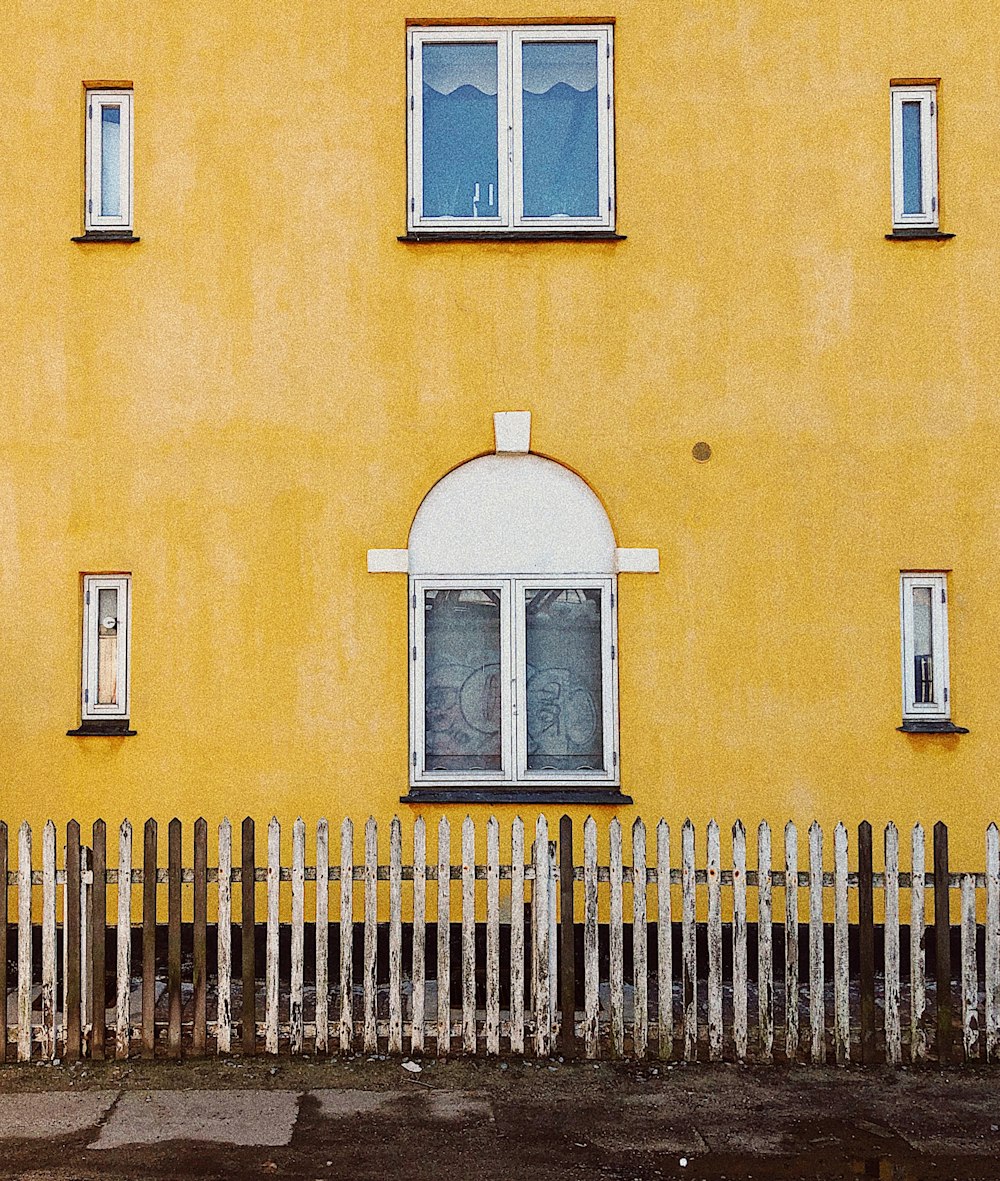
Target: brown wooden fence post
(200,964)
(3,940)
(942,941)
(149,939)
(174,938)
(248,874)
(567,952)
(71,996)
(866,925)
(98,925)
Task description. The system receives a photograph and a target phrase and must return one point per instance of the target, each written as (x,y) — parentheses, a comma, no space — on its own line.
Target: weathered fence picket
(616,942)
(224,982)
(689,961)
(992,943)
(371,936)
(765,945)
(664,944)
(48,994)
(841,979)
(791,942)
(893,1030)
(740,1034)
(346,1036)
(61,1003)
(395,937)
(640,1022)
(918,1001)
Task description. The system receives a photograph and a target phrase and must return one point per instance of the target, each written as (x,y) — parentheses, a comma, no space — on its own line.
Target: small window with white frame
(914,156)
(107,626)
(511,128)
(108,203)
(924,625)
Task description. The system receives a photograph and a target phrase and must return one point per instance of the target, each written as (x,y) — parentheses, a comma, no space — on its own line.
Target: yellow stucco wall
(238,406)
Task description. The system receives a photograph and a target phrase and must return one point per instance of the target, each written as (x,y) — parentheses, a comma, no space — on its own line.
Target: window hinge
(413,600)
(90,205)
(609,202)
(612,651)
(943,599)
(90,112)
(413,204)
(932,108)
(411,102)
(933,204)
(411,53)
(414,652)
(614,758)
(86,696)
(946,696)
(609,102)
(413,760)
(88,598)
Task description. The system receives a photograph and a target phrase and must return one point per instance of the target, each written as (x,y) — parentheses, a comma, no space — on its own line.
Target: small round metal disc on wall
(701,452)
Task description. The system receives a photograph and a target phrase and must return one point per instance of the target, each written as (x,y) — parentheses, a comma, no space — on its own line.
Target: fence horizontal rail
(777,877)
(525,965)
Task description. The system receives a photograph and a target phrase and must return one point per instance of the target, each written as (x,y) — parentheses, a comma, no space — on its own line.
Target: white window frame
(510,199)
(926,96)
(93,583)
(97,100)
(940,708)
(514,772)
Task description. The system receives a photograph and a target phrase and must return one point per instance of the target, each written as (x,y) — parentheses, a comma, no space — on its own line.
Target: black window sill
(515,795)
(906,234)
(112,728)
(511,236)
(106,236)
(918,726)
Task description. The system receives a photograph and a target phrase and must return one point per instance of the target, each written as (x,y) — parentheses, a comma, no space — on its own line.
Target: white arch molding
(512,512)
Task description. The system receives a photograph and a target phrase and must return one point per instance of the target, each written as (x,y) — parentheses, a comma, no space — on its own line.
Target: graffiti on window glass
(462,704)
(564,679)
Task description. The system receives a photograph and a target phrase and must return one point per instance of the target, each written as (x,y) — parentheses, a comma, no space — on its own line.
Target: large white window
(107,618)
(511,128)
(514,680)
(513,649)
(924,623)
(914,157)
(109,160)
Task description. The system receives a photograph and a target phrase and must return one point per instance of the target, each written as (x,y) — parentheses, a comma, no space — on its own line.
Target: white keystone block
(512,429)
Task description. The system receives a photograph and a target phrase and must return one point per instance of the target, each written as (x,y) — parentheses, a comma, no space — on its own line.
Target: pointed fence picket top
(514,990)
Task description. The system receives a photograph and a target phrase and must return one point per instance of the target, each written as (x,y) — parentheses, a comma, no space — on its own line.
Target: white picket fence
(697,1010)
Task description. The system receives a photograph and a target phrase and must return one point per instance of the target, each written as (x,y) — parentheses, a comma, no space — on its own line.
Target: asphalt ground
(360,1119)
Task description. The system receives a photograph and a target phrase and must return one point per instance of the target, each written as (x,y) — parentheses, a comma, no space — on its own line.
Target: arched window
(513,631)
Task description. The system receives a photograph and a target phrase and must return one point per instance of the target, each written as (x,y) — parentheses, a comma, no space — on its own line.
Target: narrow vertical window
(109,160)
(107,611)
(924,626)
(914,156)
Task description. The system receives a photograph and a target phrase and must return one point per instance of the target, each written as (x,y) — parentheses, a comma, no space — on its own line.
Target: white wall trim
(388,561)
(637,561)
(512,431)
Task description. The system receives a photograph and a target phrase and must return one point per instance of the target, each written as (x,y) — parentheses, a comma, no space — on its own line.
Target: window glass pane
(107,646)
(913,197)
(111,161)
(923,651)
(460,130)
(564,679)
(559,97)
(462,702)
